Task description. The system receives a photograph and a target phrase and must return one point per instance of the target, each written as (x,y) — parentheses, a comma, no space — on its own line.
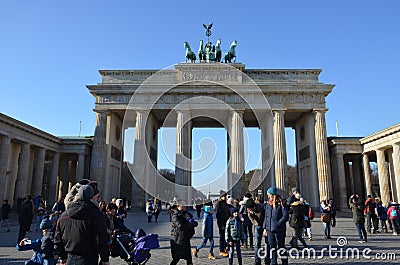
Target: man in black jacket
(25,216)
(222,214)
(81,232)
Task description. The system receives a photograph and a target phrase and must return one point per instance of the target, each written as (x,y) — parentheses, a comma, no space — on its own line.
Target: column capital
(283,110)
(320,110)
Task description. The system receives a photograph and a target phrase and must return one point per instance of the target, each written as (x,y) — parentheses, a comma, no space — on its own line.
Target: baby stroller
(134,249)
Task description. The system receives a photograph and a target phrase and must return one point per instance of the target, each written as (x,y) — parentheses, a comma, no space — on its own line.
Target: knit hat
(247,195)
(207,209)
(222,193)
(85,193)
(272,191)
(233,210)
(250,203)
(46,224)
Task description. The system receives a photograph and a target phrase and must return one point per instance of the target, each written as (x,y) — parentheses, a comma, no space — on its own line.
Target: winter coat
(234,232)
(43,247)
(182,230)
(370,205)
(5,211)
(208,226)
(222,212)
(382,212)
(297,212)
(257,215)
(357,208)
(395,214)
(276,218)
(82,229)
(25,212)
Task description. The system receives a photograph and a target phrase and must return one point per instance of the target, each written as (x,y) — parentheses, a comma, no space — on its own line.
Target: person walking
(297,213)
(183,229)
(234,234)
(276,216)
(157,209)
(5,214)
(256,212)
(326,217)
(372,220)
(247,224)
(207,233)
(222,214)
(25,216)
(40,211)
(382,214)
(81,232)
(307,219)
(357,207)
(149,210)
(393,214)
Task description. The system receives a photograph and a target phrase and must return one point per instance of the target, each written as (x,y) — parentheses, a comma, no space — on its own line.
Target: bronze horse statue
(231,54)
(218,51)
(201,53)
(190,55)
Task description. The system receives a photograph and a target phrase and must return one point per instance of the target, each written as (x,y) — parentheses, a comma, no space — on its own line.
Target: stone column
(21,187)
(280,152)
(4,157)
(63,179)
(323,165)
(12,173)
(367,174)
(81,167)
(139,160)
(38,178)
(237,153)
(383,176)
(392,176)
(267,140)
(183,162)
(396,167)
(342,187)
(53,179)
(99,152)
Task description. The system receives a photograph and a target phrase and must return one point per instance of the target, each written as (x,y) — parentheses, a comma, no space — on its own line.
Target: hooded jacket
(297,212)
(81,230)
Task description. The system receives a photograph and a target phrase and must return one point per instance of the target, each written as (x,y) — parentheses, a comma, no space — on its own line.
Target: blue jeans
(204,243)
(327,229)
(258,234)
(236,244)
(276,241)
(248,231)
(362,233)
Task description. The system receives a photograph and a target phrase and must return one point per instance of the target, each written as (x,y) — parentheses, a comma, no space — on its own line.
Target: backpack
(311,214)
(393,213)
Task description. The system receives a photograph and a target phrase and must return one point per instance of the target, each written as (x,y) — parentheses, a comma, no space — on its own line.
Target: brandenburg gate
(227,95)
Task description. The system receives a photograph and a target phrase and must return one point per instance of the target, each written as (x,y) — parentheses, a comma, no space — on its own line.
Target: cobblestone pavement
(378,247)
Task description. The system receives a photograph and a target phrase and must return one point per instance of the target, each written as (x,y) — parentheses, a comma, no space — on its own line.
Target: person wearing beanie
(276,216)
(207,233)
(256,212)
(182,230)
(81,232)
(72,194)
(222,215)
(247,224)
(43,247)
(234,234)
(297,213)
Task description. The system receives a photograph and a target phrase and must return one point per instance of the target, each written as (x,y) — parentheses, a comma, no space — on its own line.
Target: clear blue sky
(50,51)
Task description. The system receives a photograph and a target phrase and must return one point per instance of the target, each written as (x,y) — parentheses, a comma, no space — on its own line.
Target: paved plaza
(379,245)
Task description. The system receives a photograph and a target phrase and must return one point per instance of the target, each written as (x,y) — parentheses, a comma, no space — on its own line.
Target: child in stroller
(133,248)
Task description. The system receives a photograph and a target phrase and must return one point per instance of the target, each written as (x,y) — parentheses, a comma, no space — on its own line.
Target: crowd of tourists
(79,228)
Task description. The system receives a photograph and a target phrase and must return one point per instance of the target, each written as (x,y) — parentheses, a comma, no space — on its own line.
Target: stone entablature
(383,139)
(283,88)
(343,145)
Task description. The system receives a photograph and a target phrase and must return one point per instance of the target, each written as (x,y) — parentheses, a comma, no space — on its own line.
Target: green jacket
(233,234)
(358,211)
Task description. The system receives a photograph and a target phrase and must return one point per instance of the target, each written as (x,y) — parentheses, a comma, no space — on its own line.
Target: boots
(240,261)
(230,261)
(211,256)
(194,251)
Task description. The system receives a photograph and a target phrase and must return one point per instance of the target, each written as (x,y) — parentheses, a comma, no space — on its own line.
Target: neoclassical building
(201,95)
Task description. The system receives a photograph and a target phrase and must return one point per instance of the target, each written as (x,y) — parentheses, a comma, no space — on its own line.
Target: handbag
(326,218)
